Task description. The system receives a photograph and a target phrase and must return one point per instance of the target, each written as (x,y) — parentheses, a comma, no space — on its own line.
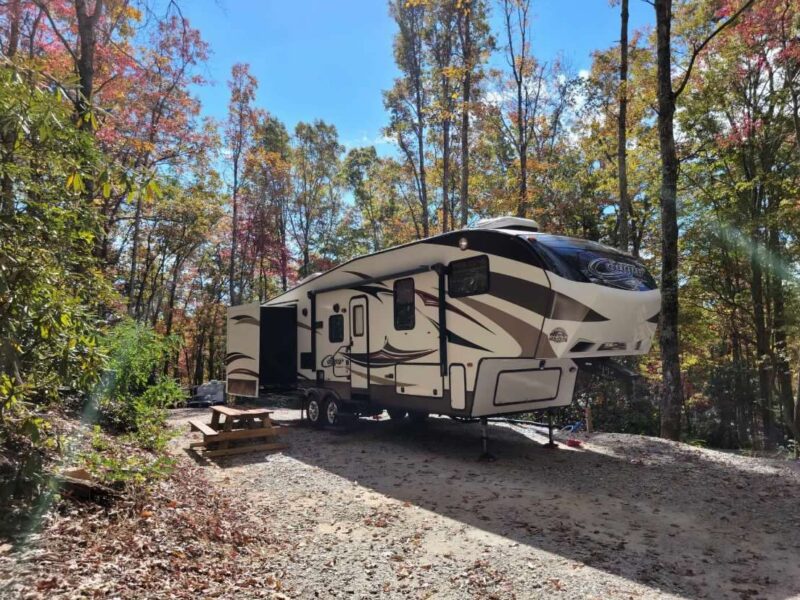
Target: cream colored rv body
(471,323)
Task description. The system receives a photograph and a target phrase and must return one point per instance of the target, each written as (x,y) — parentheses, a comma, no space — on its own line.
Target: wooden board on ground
(244,449)
(245,434)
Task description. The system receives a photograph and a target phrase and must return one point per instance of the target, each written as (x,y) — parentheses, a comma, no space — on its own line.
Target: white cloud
(365,140)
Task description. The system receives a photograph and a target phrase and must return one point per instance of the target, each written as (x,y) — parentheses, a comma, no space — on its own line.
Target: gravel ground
(391,510)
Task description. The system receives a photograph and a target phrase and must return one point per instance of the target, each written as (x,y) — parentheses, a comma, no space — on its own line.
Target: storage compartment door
(418,380)
(458,387)
(278,346)
(517,386)
(241,359)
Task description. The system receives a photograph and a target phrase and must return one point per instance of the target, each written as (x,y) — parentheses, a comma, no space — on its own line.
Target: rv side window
(335,328)
(468,277)
(358,320)
(404,304)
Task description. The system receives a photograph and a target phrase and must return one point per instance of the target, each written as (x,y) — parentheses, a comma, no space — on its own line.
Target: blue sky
(330,59)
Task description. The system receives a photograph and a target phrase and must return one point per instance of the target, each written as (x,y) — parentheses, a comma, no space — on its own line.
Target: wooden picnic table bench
(245,428)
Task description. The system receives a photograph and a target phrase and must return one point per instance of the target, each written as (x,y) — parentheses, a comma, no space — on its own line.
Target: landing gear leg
(550,443)
(485,455)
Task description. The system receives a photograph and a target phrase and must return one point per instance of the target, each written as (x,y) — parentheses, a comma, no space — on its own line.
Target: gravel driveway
(388,509)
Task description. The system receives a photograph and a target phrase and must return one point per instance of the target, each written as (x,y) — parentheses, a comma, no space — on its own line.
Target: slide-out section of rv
(488,321)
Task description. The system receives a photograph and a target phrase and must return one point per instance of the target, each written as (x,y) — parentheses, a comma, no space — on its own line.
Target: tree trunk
(797,418)
(199,363)
(762,341)
(137,219)
(423,186)
(306,260)
(782,369)
(672,391)
(445,175)
(14,16)
(522,150)
(234,234)
(622,152)
(212,344)
(169,316)
(466,93)
(87,35)
(284,257)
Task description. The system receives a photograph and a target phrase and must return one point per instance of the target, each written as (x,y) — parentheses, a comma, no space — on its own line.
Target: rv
(488,321)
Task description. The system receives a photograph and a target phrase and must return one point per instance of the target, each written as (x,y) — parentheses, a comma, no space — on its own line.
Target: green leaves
(75,183)
(133,394)
(50,290)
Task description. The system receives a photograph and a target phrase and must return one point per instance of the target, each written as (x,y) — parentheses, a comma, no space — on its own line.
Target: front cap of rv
(619,298)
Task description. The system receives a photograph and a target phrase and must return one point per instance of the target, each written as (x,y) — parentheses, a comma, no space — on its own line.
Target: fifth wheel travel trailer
(482,322)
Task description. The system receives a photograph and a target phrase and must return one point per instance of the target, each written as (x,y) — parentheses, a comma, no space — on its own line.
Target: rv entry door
(359,345)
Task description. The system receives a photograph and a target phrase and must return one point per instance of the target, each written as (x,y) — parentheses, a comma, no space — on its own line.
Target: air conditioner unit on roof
(508,223)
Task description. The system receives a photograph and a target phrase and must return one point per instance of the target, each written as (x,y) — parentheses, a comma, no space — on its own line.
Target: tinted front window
(582,260)
(468,277)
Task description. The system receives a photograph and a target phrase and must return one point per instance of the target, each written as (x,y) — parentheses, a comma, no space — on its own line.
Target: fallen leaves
(162,548)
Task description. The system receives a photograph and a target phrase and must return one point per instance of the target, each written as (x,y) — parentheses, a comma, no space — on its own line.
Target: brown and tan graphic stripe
(525,334)
(540,299)
(245,320)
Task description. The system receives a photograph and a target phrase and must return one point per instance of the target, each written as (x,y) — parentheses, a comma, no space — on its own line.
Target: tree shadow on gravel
(663,517)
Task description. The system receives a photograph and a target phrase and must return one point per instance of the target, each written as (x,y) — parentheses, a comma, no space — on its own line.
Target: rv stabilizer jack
(550,443)
(485,455)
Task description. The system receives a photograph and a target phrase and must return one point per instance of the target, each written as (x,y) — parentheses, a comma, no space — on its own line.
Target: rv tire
(396,414)
(332,408)
(314,410)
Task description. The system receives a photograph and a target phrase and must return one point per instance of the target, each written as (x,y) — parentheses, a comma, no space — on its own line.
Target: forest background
(128,221)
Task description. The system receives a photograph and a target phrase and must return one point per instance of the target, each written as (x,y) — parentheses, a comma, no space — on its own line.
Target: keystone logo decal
(612,270)
(558,335)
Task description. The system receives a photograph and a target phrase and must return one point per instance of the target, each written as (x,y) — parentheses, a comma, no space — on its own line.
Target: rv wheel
(331,411)
(314,410)
(395,414)
(418,418)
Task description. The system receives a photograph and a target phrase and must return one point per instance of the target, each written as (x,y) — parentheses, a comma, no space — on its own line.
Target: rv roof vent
(508,223)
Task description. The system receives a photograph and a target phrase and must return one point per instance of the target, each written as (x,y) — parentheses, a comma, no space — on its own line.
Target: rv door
(241,360)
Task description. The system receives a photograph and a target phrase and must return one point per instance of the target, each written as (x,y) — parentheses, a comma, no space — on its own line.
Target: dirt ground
(388,509)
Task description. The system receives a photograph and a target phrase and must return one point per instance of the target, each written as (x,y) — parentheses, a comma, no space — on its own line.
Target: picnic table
(236,430)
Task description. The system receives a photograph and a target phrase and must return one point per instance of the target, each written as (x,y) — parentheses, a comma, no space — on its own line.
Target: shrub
(118,465)
(51,290)
(134,393)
